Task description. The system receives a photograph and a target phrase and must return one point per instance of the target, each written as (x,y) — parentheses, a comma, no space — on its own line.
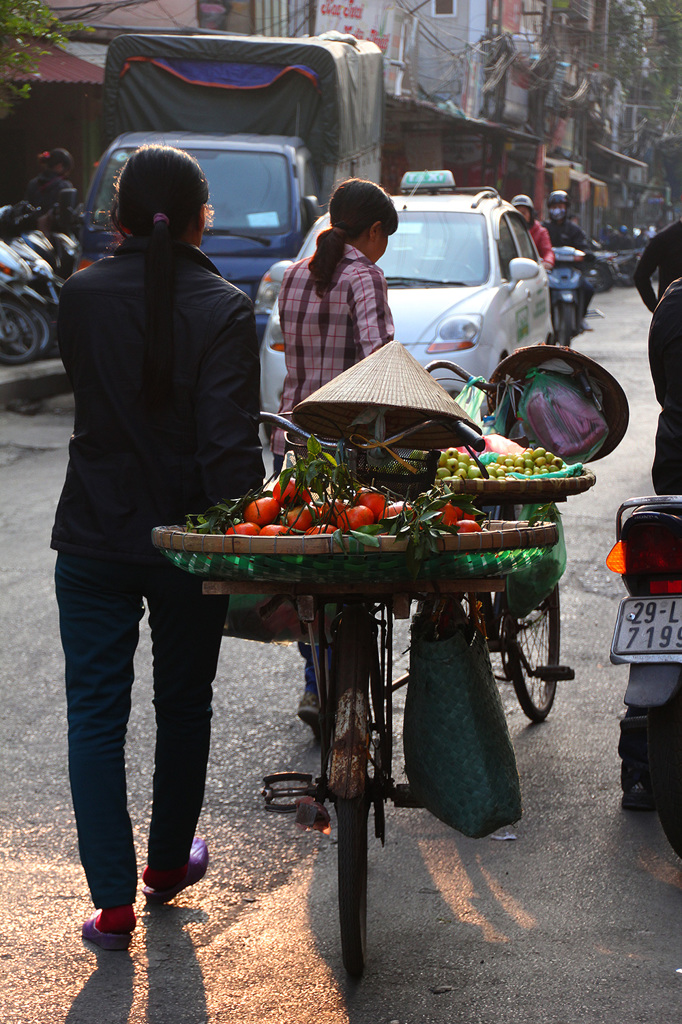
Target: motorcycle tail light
(665,587)
(649,549)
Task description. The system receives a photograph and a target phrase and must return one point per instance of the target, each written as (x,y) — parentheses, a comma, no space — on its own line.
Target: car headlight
(275,338)
(456,333)
(267,293)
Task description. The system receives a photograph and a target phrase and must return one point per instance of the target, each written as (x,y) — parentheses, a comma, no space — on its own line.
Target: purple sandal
(105,940)
(196,869)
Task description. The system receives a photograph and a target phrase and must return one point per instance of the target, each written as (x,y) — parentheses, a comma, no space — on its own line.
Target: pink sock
(160,880)
(116,920)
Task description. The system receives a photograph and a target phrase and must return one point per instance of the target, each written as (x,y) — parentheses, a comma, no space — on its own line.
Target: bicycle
(356,685)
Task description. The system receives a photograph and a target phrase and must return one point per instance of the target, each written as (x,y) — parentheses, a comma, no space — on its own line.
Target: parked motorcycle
(49,260)
(565,279)
(20,334)
(648,637)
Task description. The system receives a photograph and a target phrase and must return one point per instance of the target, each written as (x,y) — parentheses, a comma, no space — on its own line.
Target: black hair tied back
(160,192)
(354,206)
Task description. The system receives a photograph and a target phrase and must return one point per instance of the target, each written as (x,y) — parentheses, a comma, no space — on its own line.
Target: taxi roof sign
(427,181)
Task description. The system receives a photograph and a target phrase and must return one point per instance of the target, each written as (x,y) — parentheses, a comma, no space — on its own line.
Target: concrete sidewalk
(33,381)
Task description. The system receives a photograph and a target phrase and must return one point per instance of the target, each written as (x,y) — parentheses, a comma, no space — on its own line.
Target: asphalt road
(576,919)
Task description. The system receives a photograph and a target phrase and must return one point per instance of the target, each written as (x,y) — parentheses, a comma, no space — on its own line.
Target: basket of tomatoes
(319,524)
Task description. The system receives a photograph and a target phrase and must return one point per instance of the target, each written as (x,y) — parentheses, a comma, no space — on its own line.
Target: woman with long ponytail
(162,355)
(334,311)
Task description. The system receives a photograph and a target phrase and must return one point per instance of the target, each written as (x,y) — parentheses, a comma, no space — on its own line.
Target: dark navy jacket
(129,472)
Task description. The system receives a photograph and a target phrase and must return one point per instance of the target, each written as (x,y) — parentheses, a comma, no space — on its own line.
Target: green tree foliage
(645,52)
(26,26)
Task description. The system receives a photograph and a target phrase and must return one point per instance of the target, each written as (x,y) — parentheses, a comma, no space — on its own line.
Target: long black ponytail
(160,191)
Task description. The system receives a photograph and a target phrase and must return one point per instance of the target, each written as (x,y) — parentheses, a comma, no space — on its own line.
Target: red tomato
(300,518)
(374,501)
(326,512)
(450,514)
(468,526)
(262,511)
(247,528)
(291,495)
(352,518)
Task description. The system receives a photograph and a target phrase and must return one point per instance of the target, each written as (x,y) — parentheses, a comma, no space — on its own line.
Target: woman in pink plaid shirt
(333,310)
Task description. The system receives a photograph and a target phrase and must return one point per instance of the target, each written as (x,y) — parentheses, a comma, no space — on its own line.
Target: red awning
(56,65)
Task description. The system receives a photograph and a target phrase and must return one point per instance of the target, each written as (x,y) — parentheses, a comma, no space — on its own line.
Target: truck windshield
(248,191)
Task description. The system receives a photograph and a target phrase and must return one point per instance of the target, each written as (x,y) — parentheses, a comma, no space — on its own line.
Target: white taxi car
(465,282)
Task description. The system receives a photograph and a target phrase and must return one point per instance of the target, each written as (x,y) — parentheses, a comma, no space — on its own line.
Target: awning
(56,66)
(447,113)
(551,163)
(619,156)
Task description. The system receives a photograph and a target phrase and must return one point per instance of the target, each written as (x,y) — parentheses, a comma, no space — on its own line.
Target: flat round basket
(536,489)
(496,551)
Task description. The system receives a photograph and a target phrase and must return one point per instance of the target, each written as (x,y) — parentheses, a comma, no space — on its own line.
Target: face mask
(557,212)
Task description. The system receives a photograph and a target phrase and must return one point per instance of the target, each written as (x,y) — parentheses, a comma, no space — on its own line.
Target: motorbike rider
(563,231)
(43,191)
(539,234)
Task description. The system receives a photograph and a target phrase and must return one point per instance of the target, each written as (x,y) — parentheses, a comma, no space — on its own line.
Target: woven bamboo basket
(535,489)
(501,548)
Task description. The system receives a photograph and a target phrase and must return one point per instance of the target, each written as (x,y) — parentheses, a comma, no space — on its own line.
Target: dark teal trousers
(101,605)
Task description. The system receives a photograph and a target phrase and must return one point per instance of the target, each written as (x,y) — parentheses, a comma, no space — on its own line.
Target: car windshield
(436,248)
(248,191)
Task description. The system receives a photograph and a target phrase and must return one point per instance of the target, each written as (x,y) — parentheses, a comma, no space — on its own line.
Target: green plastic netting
(352,568)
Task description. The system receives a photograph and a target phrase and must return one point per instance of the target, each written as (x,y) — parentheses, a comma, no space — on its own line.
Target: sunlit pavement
(575,919)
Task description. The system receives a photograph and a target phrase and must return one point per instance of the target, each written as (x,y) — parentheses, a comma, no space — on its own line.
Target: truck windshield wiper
(239,234)
(420,282)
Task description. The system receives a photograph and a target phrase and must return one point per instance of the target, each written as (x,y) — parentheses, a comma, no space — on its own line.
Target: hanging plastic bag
(471,398)
(528,588)
(557,414)
(459,757)
(266,618)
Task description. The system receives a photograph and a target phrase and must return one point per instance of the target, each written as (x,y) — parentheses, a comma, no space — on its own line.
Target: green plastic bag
(471,398)
(528,588)
(459,757)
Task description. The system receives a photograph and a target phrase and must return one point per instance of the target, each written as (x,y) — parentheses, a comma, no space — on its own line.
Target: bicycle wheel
(351,818)
(529,645)
(354,646)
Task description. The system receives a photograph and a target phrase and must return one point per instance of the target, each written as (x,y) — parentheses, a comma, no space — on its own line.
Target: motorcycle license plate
(649,626)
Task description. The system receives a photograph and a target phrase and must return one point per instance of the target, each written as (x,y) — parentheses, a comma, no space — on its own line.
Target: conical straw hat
(389,379)
(614,401)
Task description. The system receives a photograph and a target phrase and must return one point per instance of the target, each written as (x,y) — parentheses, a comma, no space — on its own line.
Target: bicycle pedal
(281,790)
(554,673)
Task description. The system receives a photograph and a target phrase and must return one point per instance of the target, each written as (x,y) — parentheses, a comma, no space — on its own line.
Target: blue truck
(275,124)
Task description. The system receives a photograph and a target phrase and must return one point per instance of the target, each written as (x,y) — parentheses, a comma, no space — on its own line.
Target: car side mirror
(522,269)
(310,211)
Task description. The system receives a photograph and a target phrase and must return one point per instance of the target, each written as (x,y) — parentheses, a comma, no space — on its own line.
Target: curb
(33,381)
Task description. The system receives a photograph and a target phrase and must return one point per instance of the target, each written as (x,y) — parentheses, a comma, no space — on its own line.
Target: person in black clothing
(662,253)
(43,191)
(563,231)
(162,356)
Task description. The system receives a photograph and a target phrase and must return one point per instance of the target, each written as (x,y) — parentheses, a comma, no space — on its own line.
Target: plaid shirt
(325,336)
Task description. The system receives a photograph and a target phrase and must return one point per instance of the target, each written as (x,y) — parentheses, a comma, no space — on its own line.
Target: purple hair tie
(158,217)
